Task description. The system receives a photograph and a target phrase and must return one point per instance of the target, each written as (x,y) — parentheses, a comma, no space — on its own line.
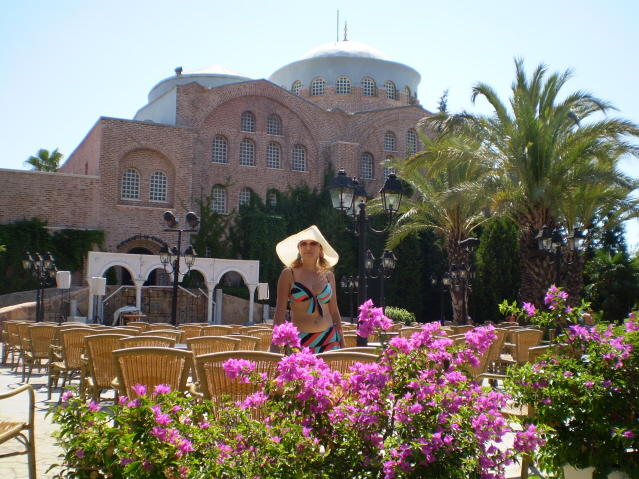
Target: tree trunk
(537,269)
(458,256)
(573,278)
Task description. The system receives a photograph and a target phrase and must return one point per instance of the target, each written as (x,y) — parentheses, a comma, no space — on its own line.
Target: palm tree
(446,198)
(45,160)
(544,147)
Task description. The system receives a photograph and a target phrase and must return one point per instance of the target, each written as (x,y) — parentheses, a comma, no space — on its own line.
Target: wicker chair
(408,331)
(147,341)
(166,333)
(247,343)
(39,345)
(342,360)
(190,331)
(216,330)
(212,344)
(350,340)
(150,367)
(491,357)
(265,336)
(155,326)
(69,362)
(22,431)
(361,349)
(248,329)
(141,325)
(213,383)
(100,367)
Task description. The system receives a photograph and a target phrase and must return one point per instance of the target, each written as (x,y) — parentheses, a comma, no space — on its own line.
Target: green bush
(399,315)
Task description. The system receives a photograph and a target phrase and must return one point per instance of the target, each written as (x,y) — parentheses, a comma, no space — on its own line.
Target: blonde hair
(321,262)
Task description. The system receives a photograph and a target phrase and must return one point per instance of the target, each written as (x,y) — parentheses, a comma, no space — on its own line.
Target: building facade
(218,135)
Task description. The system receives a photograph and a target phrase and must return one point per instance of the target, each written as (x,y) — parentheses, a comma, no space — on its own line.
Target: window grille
(220,150)
(391,90)
(343,85)
(131,185)
(390,142)
(299,158)
(247,152)
(366,167)
(273,125)
(157,186)
(218,200)
(318,85)
(247,122)
(273,155)
(368,87)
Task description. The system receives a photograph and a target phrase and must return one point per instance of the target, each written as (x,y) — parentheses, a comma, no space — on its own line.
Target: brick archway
(148,242)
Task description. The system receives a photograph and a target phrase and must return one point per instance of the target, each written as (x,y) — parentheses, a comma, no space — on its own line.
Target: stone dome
(355,60)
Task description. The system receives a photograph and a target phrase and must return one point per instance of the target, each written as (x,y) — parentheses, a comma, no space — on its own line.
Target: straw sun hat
(287,248)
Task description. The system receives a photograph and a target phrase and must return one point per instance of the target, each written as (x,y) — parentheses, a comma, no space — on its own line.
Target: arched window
(247,152)
(247,122)
(273,125)
(273,155)
(131,184)
(390,142)
(245,196)
(391,90)
(271,198)
(218,200)
(343,85)
(220,150)
(387,168)
(157,186)
(298,162)
(296,87)
(368,87)
(408,93)
(318,85)
(411,142)
(366,166)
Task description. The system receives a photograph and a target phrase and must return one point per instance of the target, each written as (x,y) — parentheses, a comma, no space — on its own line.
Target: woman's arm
(283,288)
(334,309)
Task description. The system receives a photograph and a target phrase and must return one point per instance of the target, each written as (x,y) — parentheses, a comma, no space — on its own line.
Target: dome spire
(345,31)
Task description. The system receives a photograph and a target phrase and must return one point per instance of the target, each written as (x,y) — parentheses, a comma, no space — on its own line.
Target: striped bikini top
(300,293)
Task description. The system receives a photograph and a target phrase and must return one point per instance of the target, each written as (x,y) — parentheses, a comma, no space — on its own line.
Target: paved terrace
(47,453)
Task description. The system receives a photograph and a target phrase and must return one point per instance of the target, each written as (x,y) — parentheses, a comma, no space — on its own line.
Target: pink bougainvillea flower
(529,309)
(286,335)
(162,389)
(139,389)
(239,369)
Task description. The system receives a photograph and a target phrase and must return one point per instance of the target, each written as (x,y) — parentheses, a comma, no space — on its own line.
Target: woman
(307,287)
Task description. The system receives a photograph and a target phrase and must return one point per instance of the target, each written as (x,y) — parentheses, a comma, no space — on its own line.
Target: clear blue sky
(65,63)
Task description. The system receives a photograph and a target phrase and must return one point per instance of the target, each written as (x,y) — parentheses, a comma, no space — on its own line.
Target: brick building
(216,133)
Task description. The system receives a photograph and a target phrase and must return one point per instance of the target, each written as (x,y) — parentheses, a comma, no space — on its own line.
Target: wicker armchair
(190,331)
(247,343)
(361,349)
(216,330)
(350,340)
(155,326)
(213,383)
(212,344)
(100,367)
(22,431)
(38,350)
(264,335)
(408,331)
(150,367)
(342,360)
(165,333)
(69,361)
(147,341)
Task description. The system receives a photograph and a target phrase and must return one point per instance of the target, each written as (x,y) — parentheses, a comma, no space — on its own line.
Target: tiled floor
(47,453)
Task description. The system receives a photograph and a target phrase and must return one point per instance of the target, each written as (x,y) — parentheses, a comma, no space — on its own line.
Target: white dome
(215,70)
(344,49)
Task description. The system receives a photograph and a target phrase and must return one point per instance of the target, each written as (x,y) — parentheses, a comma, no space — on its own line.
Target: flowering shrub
(557,312)
(586,394)
(415,413)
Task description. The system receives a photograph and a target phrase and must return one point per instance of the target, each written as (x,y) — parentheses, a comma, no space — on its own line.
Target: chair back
(99,348)
(166,333)
(190,331)
(146,341)
(216,330)
(524,340)
(150,367)
(72,341)
(490,355)
(247,343)
(41,336)
(265,336)
(350,340)
(141,325)
(341,360)
(408,331)
(216,386)
(360,349)
(212,344)
(154,326)
(461,328)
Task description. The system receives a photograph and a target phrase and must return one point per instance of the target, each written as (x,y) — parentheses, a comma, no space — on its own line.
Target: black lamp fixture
(348,196)
(552,242)
(170,257)
(43,269)
(350,284)
(385,268)
(460,275)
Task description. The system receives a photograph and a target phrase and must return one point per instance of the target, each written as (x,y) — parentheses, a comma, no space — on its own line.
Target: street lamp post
(349,197)
(43,270)
(349,284)
(460,275)
(440,285)
(384,270)
(551,242)
(173,255)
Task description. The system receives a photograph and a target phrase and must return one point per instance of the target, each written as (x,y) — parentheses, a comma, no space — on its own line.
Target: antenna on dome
(337,27)
(345,31)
